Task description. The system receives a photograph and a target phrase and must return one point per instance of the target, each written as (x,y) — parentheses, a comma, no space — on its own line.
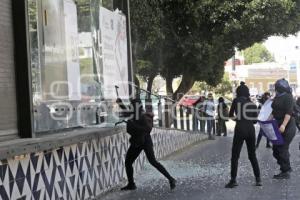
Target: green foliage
(147,35)
(84,15)
(192,39)
(144,68)
(257,53)
(222,89)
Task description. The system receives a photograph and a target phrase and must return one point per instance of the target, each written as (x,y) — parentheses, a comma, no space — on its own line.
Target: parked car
(188,100)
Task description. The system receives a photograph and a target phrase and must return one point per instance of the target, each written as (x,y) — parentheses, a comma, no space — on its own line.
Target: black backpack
(141,126)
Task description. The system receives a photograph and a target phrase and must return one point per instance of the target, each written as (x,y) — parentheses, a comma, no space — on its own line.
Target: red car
(189,100)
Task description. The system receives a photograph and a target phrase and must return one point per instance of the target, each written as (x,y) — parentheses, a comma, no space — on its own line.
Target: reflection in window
(66,64)
(34,44)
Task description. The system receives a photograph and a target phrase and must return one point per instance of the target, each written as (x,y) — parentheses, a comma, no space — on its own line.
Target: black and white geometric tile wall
(80,171)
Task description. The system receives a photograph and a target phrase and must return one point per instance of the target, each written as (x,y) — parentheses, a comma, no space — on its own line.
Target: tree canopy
(257,53)
(223,88)
(193,39)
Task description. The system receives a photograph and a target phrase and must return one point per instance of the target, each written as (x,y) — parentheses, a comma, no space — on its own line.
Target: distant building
(262,76)
(239,59)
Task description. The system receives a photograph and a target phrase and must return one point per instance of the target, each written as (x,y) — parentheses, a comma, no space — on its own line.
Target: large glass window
(78,54)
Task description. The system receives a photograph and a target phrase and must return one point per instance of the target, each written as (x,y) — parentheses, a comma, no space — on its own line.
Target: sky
(284,49)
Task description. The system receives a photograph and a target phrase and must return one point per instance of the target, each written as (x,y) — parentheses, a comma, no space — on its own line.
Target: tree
(222,89)
(147,35)
(257,53)
(225,87)
(192,39)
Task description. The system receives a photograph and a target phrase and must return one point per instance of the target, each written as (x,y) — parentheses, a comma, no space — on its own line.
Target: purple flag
(271,131)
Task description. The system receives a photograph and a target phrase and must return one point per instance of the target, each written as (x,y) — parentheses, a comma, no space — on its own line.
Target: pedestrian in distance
(199,105)
(222,117)
(265,97)
(139,127)
(209,110)
(244,112)
(283,105)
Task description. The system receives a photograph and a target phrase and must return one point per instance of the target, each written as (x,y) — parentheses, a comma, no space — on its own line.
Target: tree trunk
(186,84)
(167,114)
(149,106)
(137,88)
(169,87)
(150,83)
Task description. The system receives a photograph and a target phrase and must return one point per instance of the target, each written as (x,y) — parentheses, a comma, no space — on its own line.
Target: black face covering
(221,100)
(243,91)
(282,86)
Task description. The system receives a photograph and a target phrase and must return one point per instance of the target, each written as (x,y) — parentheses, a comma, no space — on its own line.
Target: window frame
(22,69)
(24,96)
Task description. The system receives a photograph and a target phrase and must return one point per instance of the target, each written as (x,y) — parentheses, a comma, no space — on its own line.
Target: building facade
(261,77)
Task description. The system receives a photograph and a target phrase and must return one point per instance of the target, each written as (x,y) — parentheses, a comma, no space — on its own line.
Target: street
(203,170)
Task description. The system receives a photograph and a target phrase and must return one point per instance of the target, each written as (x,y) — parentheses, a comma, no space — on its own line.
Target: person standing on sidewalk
(199,104)
(222,117)
(283,105)
(209,109)
(139,127)
(245,113)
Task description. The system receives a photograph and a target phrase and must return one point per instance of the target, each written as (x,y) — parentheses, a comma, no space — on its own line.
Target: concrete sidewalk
(203,170)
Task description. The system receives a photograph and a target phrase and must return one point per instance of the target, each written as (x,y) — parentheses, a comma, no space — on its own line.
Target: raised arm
(121,104)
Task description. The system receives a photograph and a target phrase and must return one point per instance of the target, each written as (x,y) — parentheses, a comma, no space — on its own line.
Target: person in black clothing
(263,99)
(222,112)
(244,112)
(297,113)
(139,128)
(283,105)
(260,135)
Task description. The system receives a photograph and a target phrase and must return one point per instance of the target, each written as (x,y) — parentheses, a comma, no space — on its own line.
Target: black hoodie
(242,108)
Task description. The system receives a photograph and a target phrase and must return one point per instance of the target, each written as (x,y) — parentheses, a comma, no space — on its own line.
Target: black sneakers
(282,175)
(231,184)
(258,181)
(172,184)
(130,186)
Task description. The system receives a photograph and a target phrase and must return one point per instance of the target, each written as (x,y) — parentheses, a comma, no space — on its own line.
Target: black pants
(221,127)
(202,125)
(132,154)
(244,131)
(281,152)
(260,135)
(211,127)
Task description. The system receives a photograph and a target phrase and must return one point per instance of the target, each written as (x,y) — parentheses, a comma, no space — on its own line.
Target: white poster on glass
(72,53)
(114,53)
